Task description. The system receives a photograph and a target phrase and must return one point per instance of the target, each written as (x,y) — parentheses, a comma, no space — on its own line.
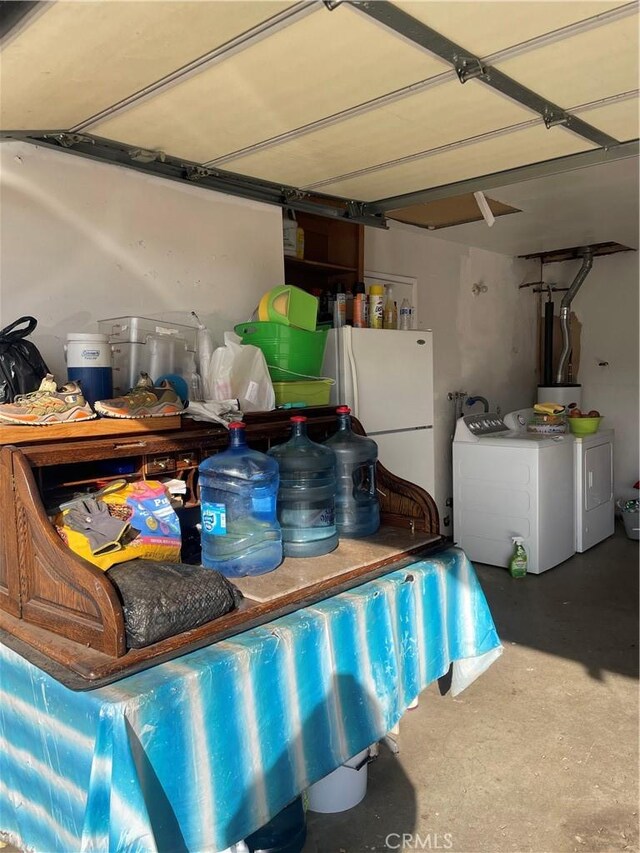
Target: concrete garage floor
(541,752)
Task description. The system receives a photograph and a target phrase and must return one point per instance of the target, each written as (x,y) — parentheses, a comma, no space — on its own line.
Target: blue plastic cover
(197,753)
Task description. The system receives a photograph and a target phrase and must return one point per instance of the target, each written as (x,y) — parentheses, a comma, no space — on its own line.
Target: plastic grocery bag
(21,365)
(153,532)
(240,371)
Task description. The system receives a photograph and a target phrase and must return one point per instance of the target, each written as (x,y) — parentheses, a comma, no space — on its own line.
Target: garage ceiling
(381,104)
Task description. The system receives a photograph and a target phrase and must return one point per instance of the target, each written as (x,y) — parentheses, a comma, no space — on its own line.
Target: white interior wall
(483,344)
(607,307)
(83,241)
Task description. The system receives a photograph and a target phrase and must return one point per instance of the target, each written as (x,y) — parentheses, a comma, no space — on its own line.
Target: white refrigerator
(386,377)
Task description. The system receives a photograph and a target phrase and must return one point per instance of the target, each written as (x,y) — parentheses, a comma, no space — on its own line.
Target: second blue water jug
(238,490)
(306,497)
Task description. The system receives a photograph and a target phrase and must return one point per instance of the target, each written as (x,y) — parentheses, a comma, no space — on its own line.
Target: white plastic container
(631,524)
(89,363)
(342,789)
(142,344)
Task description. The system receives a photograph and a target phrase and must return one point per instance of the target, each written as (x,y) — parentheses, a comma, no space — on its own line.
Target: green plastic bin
(290,353)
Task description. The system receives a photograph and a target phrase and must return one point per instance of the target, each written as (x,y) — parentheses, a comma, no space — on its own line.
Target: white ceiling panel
(435,117)
(620,120)
(586,67)
(76,59)
(487,27)
(324,63)
(497,154)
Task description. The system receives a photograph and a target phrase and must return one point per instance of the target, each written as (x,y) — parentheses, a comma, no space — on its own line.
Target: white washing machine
(507,482)
(593,476)
(595,509)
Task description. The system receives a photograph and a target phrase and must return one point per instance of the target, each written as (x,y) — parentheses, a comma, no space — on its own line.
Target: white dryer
(507,482)
(593,478)
(595,510)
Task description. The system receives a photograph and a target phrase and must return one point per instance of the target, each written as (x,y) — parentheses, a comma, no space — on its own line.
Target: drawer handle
(130,444)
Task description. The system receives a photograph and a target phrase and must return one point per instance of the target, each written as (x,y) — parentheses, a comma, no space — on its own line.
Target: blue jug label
(264,505)
(214,519)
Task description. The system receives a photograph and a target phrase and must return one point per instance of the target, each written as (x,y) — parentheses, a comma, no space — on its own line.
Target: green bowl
(584,426)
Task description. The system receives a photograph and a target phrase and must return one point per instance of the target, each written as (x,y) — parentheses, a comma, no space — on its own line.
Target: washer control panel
(485,424)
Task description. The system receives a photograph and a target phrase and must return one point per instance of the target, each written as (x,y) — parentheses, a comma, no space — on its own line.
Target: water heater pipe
(587,263)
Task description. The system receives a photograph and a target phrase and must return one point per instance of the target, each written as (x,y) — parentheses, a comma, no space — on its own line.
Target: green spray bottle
(518,561)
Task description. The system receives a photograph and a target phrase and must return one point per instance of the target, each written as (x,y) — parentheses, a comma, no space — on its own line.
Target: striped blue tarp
(194,754)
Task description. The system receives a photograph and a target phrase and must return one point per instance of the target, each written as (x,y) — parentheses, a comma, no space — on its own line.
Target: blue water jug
(306,497)
(238,490)
(357,506)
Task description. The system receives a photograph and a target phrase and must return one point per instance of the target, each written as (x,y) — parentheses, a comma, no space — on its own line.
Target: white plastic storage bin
(141,344)
(342,789)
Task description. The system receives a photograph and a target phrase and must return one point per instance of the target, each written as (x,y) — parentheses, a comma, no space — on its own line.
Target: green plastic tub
(290,353)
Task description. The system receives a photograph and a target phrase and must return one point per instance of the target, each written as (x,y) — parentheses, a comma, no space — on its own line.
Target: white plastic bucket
(342,789)
(89,363)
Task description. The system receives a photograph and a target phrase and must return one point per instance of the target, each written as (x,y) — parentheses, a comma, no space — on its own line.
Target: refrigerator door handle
(352,367)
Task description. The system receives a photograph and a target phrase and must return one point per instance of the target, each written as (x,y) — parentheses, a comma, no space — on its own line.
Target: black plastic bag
(21,365)
(160,600)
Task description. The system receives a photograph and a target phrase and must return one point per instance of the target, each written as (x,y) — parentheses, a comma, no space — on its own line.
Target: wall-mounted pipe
(587,263)
(547,372)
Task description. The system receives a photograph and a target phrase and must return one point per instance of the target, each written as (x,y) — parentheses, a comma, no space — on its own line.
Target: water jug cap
(343,410)
(237,425)
(298,419)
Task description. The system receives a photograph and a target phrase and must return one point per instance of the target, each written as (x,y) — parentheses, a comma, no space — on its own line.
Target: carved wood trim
(93,615)
(9,575)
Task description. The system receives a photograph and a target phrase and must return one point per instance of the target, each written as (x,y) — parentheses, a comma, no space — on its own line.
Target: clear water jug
(306,497)
(357,506)
(238,490)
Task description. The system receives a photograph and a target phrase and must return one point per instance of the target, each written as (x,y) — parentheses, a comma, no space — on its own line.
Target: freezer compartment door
(390,375)
(409,455)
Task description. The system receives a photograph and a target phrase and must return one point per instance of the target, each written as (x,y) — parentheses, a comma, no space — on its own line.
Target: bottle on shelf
(376,306)
(360,306)
(390,318)
(340,306)
(293,235)
(323,307)
(306,495)
(404,322)
(238,490)
(357,506)
(348,315)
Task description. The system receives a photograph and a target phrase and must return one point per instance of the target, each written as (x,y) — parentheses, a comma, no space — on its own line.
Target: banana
(548,408)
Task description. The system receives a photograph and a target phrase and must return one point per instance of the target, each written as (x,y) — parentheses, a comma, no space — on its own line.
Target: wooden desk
(64,614)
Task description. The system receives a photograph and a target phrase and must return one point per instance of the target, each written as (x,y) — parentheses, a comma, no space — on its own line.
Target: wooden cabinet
(64,614)
(333,253)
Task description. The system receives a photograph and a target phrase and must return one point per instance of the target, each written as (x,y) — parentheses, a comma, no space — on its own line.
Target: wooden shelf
(333,252)
(319,265)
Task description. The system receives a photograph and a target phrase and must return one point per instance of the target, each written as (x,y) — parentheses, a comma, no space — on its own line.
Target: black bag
(21,365)
(160,599)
